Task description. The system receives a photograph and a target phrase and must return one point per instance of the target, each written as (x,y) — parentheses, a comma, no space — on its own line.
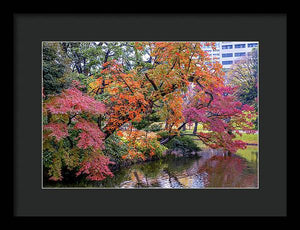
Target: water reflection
(213,169)
(227,172)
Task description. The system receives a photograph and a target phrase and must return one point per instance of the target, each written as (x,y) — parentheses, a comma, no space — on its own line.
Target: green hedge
(185,143)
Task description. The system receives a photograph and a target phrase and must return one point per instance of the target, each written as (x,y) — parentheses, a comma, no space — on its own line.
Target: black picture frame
(29,30)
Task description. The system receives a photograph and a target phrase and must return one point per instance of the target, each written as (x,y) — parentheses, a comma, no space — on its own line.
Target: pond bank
(170,155)
(207,168)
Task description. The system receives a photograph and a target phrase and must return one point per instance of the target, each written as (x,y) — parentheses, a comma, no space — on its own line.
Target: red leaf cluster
(96,168)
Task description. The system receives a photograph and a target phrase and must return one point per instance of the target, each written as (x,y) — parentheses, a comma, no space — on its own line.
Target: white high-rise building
(229,53)
(232,52)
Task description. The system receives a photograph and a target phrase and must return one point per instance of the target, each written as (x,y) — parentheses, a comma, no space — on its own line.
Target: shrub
(155,127)
(185,143)
(115,147)
(162,135)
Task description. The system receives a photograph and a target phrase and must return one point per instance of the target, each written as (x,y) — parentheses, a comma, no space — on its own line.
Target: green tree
(88,57)
(55,69)
(244,74)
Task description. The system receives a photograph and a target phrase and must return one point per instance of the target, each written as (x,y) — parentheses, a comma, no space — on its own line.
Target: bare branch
(151,81)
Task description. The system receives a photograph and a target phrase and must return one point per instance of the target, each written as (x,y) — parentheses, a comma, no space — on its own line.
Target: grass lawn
(250,153)
(248,138)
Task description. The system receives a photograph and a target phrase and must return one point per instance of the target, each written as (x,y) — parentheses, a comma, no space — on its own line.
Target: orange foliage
(175,66)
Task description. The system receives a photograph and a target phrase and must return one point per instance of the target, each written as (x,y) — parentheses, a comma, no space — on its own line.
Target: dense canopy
(111,94)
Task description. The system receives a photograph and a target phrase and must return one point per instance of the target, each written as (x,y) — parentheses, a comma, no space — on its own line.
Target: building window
(226,62)
(240,46)
(225,47)
(252,45)
(240,54)
(227,55)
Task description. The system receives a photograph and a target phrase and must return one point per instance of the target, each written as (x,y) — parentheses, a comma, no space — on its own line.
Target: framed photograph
(177,111)
(150,114)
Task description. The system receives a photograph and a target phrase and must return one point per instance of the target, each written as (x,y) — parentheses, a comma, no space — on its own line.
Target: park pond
(208,169)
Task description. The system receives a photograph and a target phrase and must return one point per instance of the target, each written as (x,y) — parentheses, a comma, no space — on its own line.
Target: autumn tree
(174,66)
(222,118)
(71,135)
(139,88)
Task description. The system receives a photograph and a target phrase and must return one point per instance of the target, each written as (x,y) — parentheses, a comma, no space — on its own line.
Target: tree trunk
(78,67)
(195,128)
(167,139)
(167,125)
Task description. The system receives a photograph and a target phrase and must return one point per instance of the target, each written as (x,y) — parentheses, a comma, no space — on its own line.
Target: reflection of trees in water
(212,171)
(179,165)
(144,175)
(173,180)
(172,173)
(151,174)
(180,172)
(152,169)
(251,155)
(207,171)
(227,172)
(116,180)
(158,173)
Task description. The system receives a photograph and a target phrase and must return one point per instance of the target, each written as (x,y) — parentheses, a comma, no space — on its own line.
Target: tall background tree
(55,68)
(244,74)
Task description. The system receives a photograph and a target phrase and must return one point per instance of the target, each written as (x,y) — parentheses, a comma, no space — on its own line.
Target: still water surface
(211,170)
